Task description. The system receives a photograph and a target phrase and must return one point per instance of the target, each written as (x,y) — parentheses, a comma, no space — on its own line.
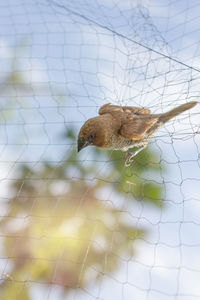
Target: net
(83,226)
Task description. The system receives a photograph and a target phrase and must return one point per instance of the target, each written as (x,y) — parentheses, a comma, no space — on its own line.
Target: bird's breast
(118,142)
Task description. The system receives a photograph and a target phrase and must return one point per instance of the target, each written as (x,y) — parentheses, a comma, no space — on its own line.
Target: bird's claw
(129,159)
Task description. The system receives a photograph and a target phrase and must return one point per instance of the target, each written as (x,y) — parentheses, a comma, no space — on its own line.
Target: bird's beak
(82,144)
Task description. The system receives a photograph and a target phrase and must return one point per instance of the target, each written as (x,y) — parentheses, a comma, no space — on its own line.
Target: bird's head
(93,132)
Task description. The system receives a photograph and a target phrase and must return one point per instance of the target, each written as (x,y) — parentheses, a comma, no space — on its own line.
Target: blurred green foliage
(58,231)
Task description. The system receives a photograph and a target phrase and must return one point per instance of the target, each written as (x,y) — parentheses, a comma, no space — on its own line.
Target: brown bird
(124,127)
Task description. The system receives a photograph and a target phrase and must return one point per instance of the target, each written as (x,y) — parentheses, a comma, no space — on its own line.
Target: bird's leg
(129,155)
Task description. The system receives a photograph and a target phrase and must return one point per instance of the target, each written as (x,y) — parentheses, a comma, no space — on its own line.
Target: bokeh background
(82,226)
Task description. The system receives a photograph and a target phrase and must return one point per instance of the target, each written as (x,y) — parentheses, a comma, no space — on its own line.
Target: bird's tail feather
(176,111)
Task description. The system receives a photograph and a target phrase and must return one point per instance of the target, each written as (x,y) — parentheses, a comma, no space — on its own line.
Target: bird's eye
(91,136)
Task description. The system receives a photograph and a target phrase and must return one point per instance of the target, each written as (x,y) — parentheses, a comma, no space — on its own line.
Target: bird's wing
(135,127)
(108,108)
(128,110)
(136,110)
(135,121)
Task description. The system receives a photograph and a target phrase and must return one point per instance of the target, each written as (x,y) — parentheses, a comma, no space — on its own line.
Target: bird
(125,127)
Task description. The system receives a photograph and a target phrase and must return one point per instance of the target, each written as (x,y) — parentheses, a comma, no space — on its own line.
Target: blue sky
(93,65)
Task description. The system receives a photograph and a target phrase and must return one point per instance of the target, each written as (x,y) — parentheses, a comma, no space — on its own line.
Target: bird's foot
(130,155)
(128,159)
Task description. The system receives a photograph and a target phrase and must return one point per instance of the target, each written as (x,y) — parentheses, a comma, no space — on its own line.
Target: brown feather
(130,110)
(136,127)
(176,111)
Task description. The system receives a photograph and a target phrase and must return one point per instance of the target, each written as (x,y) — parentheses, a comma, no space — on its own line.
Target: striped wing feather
(130,110)
(137,127)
